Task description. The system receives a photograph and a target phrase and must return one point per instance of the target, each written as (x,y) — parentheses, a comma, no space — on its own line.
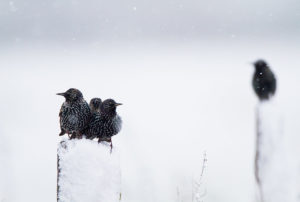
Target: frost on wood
(271,170)
(87,171)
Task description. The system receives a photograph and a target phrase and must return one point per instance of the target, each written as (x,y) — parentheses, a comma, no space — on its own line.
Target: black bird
(74,114)
(264,81)
(105,124)
(95,105)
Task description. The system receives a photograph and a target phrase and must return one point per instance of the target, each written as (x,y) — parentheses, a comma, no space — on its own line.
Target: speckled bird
(74,114)
(95,104)
(105,124)
(264,81)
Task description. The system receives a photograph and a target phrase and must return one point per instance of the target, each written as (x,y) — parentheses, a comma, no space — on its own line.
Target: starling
(264,81)
(74,113)
(105,124)
(95,105)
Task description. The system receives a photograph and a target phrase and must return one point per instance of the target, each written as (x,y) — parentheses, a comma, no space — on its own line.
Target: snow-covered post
(271,170)
(87,171)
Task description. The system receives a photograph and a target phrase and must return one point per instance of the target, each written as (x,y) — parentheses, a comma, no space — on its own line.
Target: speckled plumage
(74,114)
(106,123)
(264,81)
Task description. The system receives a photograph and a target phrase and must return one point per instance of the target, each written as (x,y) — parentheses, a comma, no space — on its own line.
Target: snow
(181,69)
(179,100)
(88,172)
(276,176)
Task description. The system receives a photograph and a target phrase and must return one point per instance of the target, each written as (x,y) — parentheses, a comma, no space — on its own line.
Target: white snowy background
(181,69)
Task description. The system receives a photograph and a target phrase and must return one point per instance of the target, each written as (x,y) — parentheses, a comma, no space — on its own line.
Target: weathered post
(271,169)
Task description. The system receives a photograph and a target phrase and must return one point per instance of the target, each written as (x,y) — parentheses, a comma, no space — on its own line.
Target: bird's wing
(61,110)
(270,76)
(273,87)
(118,124)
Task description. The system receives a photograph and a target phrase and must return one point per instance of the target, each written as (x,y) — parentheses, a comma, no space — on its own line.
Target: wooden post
(62,144)
(272,172)
(257,155)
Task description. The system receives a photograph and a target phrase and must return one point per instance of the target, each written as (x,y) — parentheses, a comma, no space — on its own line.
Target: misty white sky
(97,20)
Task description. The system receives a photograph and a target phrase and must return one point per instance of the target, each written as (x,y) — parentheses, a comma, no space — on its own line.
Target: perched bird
(74,114)
(105,124)
(264,81)
(95,105)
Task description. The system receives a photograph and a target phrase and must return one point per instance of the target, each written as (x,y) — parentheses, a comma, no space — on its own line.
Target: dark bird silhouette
(95,104)
(106,123)
(264,81)
(74,114)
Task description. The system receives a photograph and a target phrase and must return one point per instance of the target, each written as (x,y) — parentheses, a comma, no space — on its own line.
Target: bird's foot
(73,136)
(62,133)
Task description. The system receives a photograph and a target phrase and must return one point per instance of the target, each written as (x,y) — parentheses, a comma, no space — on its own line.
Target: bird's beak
(62,94)
(118,104)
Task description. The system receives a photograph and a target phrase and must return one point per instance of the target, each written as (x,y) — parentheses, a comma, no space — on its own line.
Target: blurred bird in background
(264,81)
